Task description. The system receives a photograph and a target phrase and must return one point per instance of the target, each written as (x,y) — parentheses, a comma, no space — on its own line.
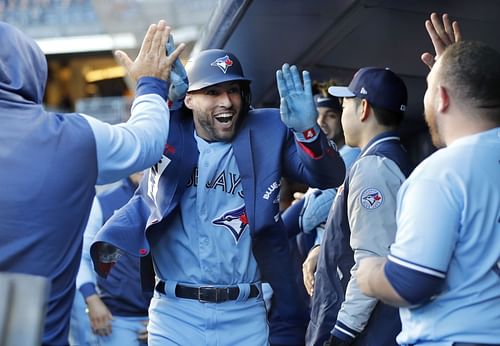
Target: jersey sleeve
(373,187)
(428,226)
(322,168)
(86,278)
(123,149)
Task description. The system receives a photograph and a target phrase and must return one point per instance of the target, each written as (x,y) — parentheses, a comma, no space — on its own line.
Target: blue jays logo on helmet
(233,220)
(223,63)
(371,198)
(213,66)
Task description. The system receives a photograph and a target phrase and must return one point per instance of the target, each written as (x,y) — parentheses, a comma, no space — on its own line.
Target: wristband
(309,135)
(152,85)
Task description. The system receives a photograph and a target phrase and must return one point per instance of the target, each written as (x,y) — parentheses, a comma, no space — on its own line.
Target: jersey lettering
(219,181)
(227,182)
(193,180)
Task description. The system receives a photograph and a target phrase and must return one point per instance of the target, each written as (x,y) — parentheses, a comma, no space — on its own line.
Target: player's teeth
(224,118)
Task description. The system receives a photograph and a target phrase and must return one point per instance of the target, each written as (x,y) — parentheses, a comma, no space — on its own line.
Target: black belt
(208,293)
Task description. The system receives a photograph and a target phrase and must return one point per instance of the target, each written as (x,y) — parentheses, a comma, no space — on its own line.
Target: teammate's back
(51,162)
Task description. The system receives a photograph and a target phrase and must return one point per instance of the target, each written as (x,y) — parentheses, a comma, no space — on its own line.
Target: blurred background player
(116,306)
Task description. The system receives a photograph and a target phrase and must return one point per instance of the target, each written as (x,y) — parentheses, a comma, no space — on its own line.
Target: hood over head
(23,67)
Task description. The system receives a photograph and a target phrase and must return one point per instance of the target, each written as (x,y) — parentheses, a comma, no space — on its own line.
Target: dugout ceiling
(333,38)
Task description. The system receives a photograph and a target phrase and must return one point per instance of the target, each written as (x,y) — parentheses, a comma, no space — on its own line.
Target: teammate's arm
(414,274)
(131,147)
(99,315)
(320,164)
(373,282)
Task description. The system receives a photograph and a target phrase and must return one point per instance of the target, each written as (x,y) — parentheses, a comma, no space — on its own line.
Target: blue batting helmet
(213,66)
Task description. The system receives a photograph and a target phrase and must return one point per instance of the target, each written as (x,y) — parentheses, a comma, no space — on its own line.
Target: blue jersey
(449,229)
(264,150)
(208,242)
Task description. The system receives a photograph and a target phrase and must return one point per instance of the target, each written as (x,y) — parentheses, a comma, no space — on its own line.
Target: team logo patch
(371,198)
(236,221)
(223,63)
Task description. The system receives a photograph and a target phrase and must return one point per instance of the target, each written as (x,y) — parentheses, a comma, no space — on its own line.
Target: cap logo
(363,91)
(223,63)
(402,108)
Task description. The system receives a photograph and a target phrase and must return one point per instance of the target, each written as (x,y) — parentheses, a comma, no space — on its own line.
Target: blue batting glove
(298,110)
(178,76)
(315,209)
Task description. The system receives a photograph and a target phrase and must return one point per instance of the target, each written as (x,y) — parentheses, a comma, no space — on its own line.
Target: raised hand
(151,60)
(298,110)
(442,33)
(178,75)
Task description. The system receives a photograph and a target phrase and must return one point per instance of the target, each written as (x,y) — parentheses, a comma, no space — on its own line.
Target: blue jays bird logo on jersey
(234,220)
(371,198)
(223,63)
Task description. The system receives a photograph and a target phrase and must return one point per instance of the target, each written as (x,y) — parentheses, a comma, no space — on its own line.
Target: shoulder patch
(371,198)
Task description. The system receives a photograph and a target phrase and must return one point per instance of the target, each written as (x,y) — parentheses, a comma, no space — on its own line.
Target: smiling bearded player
(208,212)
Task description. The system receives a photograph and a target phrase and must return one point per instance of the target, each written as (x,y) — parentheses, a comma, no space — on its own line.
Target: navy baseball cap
(328,102)
(381,87)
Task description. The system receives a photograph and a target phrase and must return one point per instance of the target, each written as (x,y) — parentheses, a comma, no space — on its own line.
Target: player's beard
(214,131)
(432,123)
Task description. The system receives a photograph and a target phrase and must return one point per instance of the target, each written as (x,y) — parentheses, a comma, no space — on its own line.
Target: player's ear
(188,101)
(444,99)
(364,110)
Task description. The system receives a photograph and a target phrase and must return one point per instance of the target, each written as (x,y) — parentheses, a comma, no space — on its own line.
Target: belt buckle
(204,294)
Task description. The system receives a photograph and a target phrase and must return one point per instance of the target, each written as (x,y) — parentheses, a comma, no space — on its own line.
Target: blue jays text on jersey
(226,181)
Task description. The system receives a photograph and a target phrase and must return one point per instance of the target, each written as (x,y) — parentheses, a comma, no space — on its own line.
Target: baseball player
(362,221)
(52,162)
(117,307)
(443,269)
(210,208)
